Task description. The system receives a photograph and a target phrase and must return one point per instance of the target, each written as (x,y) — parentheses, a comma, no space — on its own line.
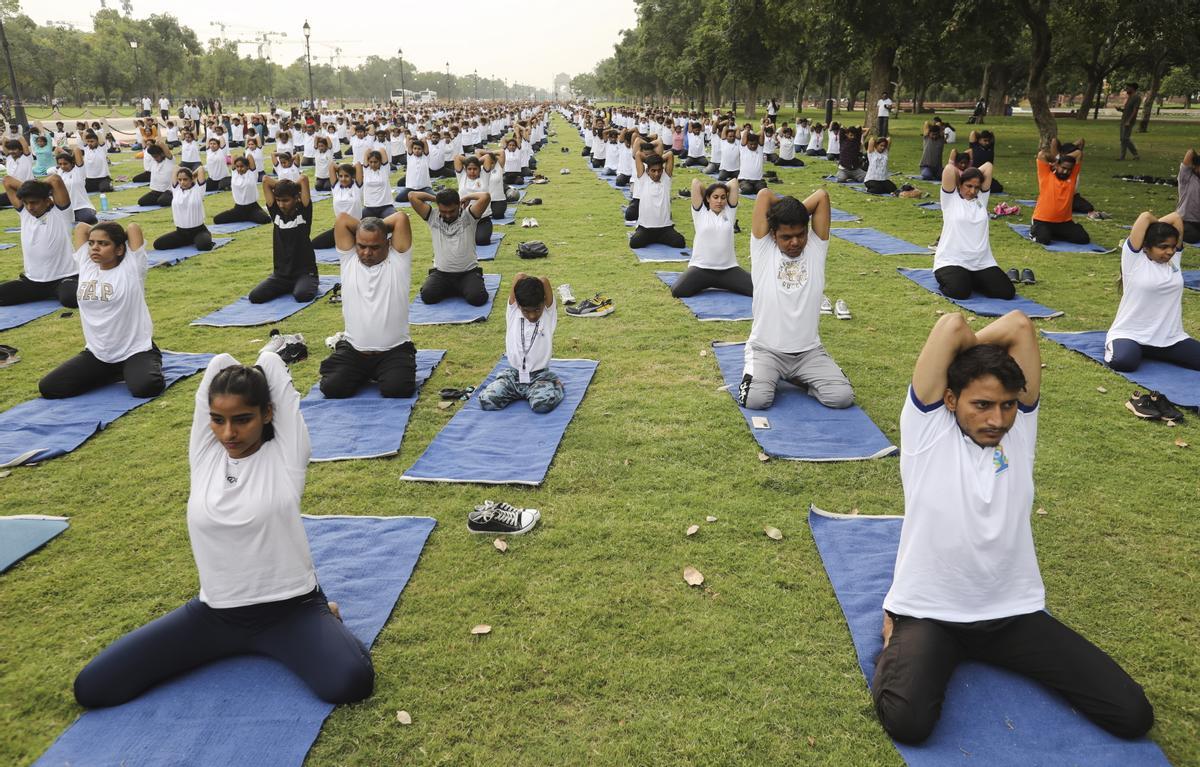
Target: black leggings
(795,162)
(139,178)
(632,209)
(1046,232)
(499,208)
(667,235)
(197,236)
(323,185)
(513,177)
(86,216)
(912,671)
(324,240)
(748,187)
(483,231)
(378,211)
(162,199)
(735,279)
(345,371)
(25,291)
(300,633)
(223,185)
(92,185)
(1191,231)
(303,288)
(1079,204)
(251,212)
(880,187)
(960,283)
(1127,355)
(442,285)
(692,162)
(142,373)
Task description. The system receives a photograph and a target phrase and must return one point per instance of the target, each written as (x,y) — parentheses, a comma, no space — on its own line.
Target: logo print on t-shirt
(999,460)
(793,273)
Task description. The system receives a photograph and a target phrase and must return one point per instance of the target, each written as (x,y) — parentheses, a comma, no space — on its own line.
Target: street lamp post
(449,87)
(308,59)
(476,85)
(403,95)
(387,95)
(137,68)
(18,105)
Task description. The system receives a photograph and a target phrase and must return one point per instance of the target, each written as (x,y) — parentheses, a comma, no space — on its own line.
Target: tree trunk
(1160,68)
(1034,13)
(751,99)
(882,58)
(803,86)
(997,90)
(918,96)
(985,86)
(1094,82)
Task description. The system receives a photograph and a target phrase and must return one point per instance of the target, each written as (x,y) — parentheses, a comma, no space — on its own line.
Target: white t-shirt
(964,241)
(187,206)
(787,295)
(290,173)
(375,300)
(321,163)
(347,199)
(528,345)
(376,187)
(244,187)
(712,247)
(243,515)
(787,150)
(46,244)
(966,548)
(189,151)
(162,174)
(814,142)
(751,163)
(20,168)
(416,174)
(731,156)
(1151,309)
(75,183)
(472,186)
(95,162)
(877,166)
(882,106)
(215,166)
(112,306)
(654,208)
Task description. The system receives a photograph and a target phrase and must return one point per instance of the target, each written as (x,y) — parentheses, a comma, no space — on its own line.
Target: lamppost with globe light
(308,59)
(403,95)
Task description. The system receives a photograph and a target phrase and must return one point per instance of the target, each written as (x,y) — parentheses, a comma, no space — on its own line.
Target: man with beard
(1058,175)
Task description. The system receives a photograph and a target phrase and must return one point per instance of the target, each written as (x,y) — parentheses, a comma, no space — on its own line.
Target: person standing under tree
(885,107)
(1129,111)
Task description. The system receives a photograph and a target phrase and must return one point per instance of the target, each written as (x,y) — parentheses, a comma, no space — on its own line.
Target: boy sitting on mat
(787,265)
(967,585)
(532,317)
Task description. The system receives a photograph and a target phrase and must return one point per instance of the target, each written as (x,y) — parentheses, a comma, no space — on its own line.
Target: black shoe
(1027,277)
(1013,277)
(1143,406)
(335,295)
(501,519)
(1166,409)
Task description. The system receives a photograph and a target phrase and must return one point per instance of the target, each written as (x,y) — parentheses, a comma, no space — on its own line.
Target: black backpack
(533,249)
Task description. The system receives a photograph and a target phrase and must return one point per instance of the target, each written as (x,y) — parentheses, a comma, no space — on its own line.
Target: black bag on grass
(533,249)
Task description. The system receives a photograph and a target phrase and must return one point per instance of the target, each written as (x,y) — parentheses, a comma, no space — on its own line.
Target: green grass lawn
(600,654)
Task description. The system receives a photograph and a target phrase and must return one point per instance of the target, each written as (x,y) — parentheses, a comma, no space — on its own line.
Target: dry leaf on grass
(1102,390)
(812,742)
(854,510)
(693,529)
(692,576)
(773,533)
(1041,512)
(501,545)
(710,518)
(403,717)
(763,457)
(704,352)
(1178,443)
(445,404)
(482,628)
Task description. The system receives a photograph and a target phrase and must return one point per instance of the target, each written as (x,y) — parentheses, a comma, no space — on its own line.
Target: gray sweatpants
(850,174)
(813,369)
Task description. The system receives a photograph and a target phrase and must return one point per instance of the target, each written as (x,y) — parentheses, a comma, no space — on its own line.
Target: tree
(1035,14)
(1183,80)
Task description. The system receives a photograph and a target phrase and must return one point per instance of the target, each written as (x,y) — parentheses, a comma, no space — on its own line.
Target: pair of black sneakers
(1024,278)
(1153,406)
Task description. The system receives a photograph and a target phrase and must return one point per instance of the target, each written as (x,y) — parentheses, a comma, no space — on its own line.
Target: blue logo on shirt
(999,460)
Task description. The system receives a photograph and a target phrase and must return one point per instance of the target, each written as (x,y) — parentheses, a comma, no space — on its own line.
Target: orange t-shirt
(1054,194)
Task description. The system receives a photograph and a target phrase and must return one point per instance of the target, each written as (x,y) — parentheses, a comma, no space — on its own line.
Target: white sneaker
(841,310)
(565,294)
(525,223)
(533,223)
(826,305)
(565,171)
(275,343)
(332,341)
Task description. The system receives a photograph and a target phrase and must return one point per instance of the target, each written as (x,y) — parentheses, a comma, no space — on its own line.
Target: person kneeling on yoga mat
(187,211)
(376,273)
(967,584)
(1149,321)
(259,593)
(789,242)
(117,330)
(653,192)
(294,262)
(49,272)
(532,317)
(455,271)
(713,263)
(963,263)
(1058,175)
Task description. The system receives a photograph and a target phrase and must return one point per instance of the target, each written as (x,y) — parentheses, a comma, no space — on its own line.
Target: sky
(565,35)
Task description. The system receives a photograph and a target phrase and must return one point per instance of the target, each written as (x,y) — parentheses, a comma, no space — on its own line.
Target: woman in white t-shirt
(216,167)
(878,180)
(285,167)
(244,185)
(713,263)
(322,164)
(189,150)
(259,593)
(346,198)
(787,150)
(471,179)
(376,186)
(816,136)
(72,176)
(963,263)
(93,156)
(117,329)
(161,165)
(416,177)
(1149,321)
(187,211)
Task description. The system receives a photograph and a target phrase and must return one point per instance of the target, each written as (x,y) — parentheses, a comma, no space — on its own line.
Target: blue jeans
(544,391)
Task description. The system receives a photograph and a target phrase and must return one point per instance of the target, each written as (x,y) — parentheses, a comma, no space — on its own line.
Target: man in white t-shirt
(967,584)
(884,107)
(50,271)
(376,271)
(652,188)
(789,241)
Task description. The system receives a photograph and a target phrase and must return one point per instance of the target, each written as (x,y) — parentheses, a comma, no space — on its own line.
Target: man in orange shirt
(1058,175)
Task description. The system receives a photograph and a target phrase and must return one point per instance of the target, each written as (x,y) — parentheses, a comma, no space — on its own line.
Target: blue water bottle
(103,202)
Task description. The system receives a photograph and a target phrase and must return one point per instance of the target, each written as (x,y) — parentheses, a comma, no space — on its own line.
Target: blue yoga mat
(250,710)
(40,429)
(453,311)
(1191,280)
(112,215)
(990,716)
(130,185)
(881,242)
(803,429)
(857,186)
(510,446)
(241,313)
(984,307)
(234,228)
(1180,385)
(19,314)
(328,256)
(836,214)
(930,206)
(366,425)
(711,304)
(22,535)
(1060,247)
(7,245)
(175,255)
(488,252)
(141,208)
(658,252)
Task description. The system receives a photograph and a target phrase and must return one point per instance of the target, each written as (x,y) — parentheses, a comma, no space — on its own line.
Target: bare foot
(887,629)
(337,613)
